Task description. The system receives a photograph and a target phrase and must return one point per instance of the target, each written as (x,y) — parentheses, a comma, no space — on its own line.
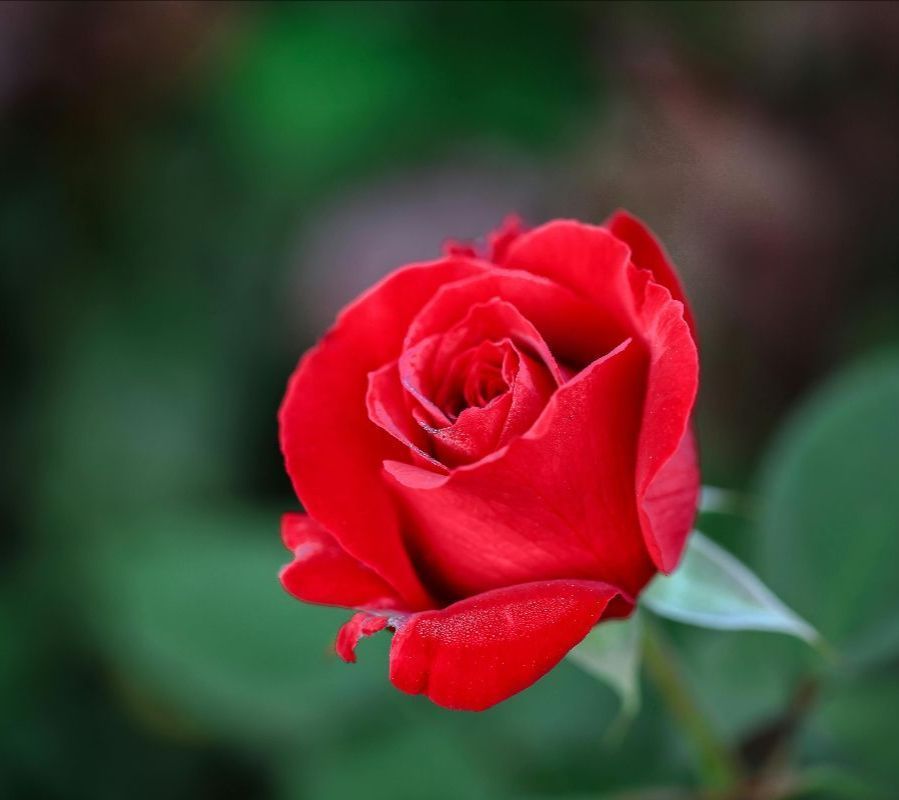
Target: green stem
(717,767)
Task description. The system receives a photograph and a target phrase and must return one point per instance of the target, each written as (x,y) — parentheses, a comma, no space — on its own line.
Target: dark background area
(189,193)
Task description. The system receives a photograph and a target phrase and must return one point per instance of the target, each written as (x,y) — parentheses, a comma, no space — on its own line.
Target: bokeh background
(189,192)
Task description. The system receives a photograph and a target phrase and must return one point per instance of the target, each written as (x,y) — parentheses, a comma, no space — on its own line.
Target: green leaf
(855,726)
(712,589)
(766,668)
(829,510)
(611,652)
(416,759)
(189,611)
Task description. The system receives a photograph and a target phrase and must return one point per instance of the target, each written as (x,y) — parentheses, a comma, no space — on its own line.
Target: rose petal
(437,377)
(481,650)
(668,481)
(475,434)
(476,384)
(493,320)
(531,390)
(332,450)
(558,502)
(669,504)
(647,253)
(500,239)
(388,407)
(486,424)
(597,265)
(453,247)
(322,572)
(570,325)
(427,366)
(349,635)
(586,259)
(479,431)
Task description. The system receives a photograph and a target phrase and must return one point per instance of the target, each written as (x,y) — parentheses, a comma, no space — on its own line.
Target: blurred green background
(190,191)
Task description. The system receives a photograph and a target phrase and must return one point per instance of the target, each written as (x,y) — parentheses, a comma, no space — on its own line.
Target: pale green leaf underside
(713,589)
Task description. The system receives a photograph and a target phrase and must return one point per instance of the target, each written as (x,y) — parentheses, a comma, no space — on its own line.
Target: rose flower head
(495,453)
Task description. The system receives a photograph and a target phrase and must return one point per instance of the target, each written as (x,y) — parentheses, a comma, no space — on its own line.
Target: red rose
(495,454)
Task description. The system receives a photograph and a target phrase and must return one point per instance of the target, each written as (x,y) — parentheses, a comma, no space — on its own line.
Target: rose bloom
(495,454)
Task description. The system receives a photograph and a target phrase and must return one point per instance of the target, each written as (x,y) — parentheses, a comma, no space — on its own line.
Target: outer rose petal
(667,470)
(558,502)
(322,572)
(647,253)
(481,650)
(586,259)
(595,264)
(332,450)
(349,635)
(500,239)
(669,504)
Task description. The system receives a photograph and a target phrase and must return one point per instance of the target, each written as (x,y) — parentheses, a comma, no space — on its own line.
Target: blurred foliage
(828,536)
(829,516)
(158,162)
